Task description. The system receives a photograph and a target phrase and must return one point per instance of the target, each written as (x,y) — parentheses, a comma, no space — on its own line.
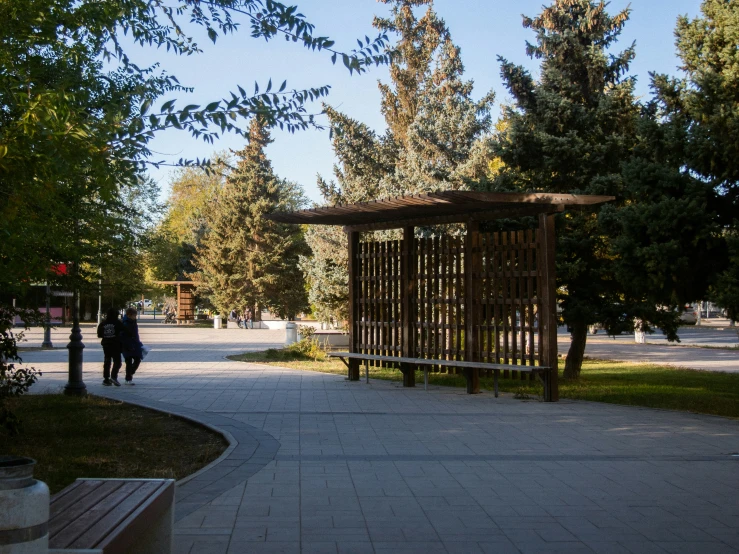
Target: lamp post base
(75,386)
(47,338)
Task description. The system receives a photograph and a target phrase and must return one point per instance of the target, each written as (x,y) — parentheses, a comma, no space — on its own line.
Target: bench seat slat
(445,363)
(72,494)
(108,525)
(66,536)
(76,510)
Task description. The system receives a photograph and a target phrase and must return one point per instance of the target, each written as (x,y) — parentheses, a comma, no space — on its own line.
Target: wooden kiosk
(185,299)
(478,302)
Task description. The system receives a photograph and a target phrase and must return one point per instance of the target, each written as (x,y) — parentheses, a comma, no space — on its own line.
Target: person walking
(110,330)
(131,343)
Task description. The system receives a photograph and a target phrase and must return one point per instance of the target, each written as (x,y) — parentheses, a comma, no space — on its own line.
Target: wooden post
(408,294)
(353,304)
(548,313)
(471,302)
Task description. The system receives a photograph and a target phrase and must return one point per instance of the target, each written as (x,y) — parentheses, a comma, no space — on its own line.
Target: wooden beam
(548,315)
(353,251)
(408,293)
(471,304)
(487,215)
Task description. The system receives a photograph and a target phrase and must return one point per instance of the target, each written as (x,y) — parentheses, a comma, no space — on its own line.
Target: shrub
(14,381)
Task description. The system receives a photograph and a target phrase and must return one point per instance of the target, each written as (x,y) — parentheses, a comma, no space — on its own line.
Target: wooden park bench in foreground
(113,516)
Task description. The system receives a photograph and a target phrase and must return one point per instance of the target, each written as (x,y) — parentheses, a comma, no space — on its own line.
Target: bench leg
(158,538)
(472,374)
(409,375)
(366,370)
(496,372)
(425,378)
(353,370)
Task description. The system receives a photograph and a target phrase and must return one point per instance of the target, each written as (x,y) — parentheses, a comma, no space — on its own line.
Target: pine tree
(705,104)
(432,140)
(245,260)
(569,132)
(439,150)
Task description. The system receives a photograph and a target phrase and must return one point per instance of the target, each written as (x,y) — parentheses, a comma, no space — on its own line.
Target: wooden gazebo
(480,302)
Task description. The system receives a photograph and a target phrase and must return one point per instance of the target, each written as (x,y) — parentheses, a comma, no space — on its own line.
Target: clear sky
(484,29)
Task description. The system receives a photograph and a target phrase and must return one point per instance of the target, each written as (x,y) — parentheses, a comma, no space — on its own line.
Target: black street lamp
(47,325)
(75,385)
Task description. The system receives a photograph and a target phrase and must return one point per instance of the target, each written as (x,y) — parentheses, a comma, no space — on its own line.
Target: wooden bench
(110,516)
(473,385)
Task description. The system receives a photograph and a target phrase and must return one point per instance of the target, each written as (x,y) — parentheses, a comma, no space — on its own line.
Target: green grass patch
(651,386)
(95,437)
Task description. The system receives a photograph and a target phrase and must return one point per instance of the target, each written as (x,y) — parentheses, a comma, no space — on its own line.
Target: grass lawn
(95,437)
(651,386)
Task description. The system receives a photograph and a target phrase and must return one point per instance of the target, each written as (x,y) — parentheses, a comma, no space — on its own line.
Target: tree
(173,243)
(704,103)
(432,142)
(579,130)
(244,259)
(666,243)
(569,132)
(76,112)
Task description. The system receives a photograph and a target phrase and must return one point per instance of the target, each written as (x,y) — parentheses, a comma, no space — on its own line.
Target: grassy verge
(96,437)
(651,386)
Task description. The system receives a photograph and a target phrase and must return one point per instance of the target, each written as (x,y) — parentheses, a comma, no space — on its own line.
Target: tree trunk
(575,355)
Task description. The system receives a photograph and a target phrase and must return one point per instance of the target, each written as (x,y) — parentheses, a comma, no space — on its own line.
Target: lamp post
(75,385)
(100,296)
(47,326)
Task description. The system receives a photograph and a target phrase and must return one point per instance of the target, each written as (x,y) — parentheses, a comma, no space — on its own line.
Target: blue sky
(483,29)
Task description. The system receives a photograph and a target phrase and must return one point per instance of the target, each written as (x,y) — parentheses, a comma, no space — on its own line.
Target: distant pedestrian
(132,347)
(110,331)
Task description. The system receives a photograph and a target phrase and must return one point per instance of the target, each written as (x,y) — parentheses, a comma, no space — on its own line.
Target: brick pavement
(319,464)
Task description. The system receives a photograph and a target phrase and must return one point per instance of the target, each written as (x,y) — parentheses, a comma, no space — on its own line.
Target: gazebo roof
(437,208)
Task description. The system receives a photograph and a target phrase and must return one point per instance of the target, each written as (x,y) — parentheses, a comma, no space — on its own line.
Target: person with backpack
(132,347)
(109,331)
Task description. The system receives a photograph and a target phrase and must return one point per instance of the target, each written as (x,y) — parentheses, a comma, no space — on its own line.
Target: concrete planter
(24,508)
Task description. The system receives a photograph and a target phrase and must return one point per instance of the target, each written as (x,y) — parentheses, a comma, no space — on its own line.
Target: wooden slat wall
(505,283)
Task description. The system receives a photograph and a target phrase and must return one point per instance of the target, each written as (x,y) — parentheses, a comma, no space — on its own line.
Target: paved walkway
(707,348)
(318,464)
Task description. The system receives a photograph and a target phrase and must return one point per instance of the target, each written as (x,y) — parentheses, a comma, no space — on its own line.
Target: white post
(640,336)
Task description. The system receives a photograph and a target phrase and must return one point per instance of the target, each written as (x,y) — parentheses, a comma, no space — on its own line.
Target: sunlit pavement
(708,348)
(318,464)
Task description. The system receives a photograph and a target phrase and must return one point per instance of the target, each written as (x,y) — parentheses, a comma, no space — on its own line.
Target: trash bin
(291,333)
(217,321)
(24,508)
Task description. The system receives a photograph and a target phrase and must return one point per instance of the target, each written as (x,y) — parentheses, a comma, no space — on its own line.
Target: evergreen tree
(569,132)
(665,241)
(432,140)
(579,130)
(705,104)
(245,260)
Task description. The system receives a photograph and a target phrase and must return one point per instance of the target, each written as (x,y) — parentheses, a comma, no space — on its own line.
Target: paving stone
(346,467)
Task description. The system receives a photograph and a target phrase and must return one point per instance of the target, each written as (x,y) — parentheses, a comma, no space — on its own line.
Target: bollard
(291,333)
(24,508)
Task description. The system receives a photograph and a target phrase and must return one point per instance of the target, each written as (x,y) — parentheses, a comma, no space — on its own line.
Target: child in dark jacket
(110,332)
(131,344)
